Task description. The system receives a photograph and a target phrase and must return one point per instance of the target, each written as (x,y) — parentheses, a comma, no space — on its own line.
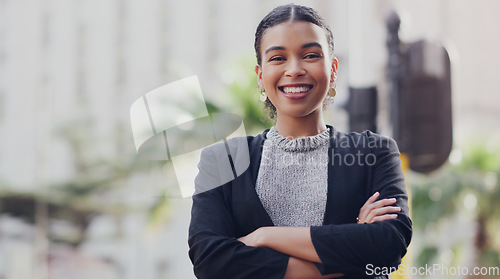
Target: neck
(299,127)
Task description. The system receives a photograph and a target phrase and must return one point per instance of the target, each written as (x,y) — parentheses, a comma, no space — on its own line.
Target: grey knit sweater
(292,180)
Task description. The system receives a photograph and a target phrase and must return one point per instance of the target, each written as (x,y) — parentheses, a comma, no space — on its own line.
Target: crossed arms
(220,249)
(296,241)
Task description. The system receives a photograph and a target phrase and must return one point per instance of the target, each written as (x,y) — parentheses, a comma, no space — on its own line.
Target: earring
(331,91)
(263,96)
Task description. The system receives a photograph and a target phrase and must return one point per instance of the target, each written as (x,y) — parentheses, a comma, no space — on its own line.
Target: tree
(468,186)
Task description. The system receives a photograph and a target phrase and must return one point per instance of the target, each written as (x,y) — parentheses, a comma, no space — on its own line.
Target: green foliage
(426,255)
(159,213)
(469,187)
(242,89)
(434,198)
(480,156)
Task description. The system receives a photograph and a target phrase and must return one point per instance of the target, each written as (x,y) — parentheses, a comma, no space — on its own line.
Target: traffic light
(362,109)
(425,106)
(421,112)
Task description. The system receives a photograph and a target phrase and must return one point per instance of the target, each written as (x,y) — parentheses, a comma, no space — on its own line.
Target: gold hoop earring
(263,96)
(332,92)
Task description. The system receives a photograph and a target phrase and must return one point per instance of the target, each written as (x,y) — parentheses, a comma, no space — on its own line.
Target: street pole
(394,70)
(364,50)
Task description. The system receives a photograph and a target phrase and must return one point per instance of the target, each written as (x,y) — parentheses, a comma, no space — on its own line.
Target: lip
(295,95)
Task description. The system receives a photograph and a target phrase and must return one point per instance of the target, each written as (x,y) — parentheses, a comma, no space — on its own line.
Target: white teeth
(293,89)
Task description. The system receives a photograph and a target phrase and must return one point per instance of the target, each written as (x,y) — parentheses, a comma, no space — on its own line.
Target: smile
(295,91)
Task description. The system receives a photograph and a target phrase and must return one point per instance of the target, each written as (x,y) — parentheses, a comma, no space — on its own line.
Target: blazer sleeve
(213,246)
(355,249)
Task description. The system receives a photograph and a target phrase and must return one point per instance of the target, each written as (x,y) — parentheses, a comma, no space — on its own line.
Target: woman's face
(296,68)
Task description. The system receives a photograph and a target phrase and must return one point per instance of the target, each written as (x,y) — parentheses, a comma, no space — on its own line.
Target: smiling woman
(294,213)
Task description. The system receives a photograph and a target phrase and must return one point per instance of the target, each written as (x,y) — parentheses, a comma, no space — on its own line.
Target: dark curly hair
(279,15)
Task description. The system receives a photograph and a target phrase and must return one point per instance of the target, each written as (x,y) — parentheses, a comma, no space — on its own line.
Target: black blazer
(359,166)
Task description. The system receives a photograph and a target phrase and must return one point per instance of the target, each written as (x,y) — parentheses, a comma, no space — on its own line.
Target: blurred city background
(77,202)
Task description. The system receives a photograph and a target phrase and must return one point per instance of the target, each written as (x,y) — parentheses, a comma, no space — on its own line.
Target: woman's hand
(376,211)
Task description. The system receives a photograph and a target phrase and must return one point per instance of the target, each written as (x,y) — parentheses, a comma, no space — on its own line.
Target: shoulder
(235,145)
(223,161)
(366,140)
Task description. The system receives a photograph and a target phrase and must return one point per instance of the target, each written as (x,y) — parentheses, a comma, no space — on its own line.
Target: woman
(314,202)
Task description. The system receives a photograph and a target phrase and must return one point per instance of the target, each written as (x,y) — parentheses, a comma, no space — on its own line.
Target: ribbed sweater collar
(298,144)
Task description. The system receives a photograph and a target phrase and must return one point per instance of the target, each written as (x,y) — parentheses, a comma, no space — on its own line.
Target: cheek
(327,75)
(270,75)
(321,72)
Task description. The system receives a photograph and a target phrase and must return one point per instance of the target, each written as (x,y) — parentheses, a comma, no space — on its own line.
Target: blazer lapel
(346,182)
(247,207)
(332,173)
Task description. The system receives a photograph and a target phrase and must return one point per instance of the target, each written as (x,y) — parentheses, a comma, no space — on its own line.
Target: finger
(382,203)
(381,211)
(385,210)
(384,218)
(367,208)
(371,199)
(363,211)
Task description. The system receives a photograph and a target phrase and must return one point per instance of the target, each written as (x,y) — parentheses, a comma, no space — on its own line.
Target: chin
(300,113)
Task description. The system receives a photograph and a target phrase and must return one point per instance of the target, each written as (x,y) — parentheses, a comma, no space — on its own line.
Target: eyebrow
(307,45)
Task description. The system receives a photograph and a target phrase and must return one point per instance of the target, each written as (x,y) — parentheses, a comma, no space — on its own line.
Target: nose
(295,68)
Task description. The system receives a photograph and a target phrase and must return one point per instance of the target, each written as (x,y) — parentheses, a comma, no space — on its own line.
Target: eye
(277,58)
(312,56)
